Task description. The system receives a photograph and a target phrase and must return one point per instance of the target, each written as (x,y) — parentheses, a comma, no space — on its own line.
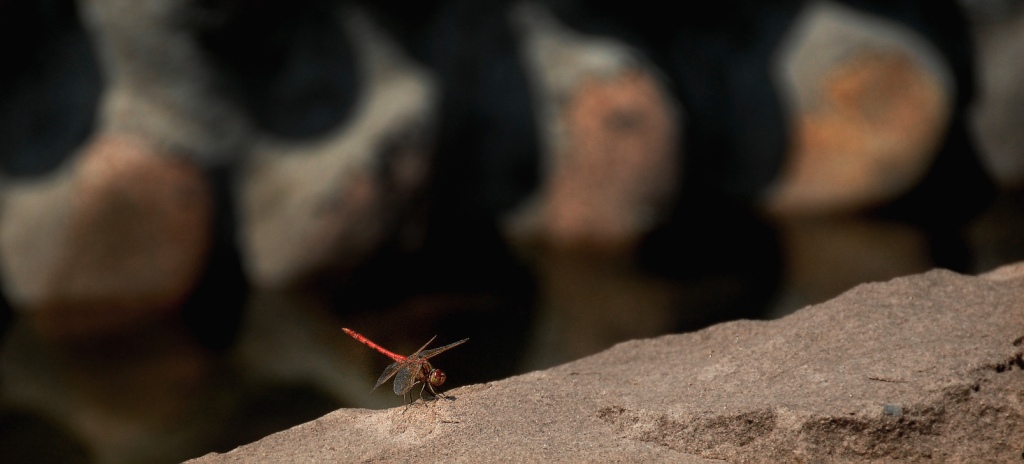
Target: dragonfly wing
(406,379)
(437,351)
(388,373)
(422,347)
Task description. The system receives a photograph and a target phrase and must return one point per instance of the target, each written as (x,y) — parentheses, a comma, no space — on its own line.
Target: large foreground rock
(922,367)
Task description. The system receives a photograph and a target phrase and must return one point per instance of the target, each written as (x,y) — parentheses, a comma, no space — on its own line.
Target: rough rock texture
(921,367)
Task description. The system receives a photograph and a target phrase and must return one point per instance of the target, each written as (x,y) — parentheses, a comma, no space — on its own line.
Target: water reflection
(164,394)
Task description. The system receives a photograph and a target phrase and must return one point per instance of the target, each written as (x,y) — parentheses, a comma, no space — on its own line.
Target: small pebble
(892,410)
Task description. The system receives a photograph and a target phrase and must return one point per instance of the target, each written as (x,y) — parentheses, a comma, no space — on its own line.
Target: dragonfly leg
(424,387)
(407,402)
(438,394)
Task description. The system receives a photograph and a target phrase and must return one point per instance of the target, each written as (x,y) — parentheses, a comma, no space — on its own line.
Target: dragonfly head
(436,377)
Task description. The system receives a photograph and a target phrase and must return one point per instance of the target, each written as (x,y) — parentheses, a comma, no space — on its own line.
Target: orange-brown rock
(126,236)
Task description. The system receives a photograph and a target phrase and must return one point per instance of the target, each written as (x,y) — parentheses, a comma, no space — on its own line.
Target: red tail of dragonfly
(408,371)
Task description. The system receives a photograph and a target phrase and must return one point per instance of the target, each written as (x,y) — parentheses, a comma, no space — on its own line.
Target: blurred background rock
(196,195)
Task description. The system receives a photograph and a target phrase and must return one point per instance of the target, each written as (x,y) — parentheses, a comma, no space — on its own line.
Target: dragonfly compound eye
(437,377)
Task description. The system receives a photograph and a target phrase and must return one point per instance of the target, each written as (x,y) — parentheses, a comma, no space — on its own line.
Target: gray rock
(326,204)
(996,116)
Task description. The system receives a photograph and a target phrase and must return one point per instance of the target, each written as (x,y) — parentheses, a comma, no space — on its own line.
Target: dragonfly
(408,371)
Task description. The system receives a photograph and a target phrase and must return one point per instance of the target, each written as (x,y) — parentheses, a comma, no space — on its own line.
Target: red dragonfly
(408,371)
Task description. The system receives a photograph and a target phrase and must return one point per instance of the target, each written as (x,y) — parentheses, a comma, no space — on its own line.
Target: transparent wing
(417,353)
(388,372)
(436,351)
(406,379)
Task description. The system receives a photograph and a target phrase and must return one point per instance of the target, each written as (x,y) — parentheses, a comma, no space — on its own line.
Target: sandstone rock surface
(922,367)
